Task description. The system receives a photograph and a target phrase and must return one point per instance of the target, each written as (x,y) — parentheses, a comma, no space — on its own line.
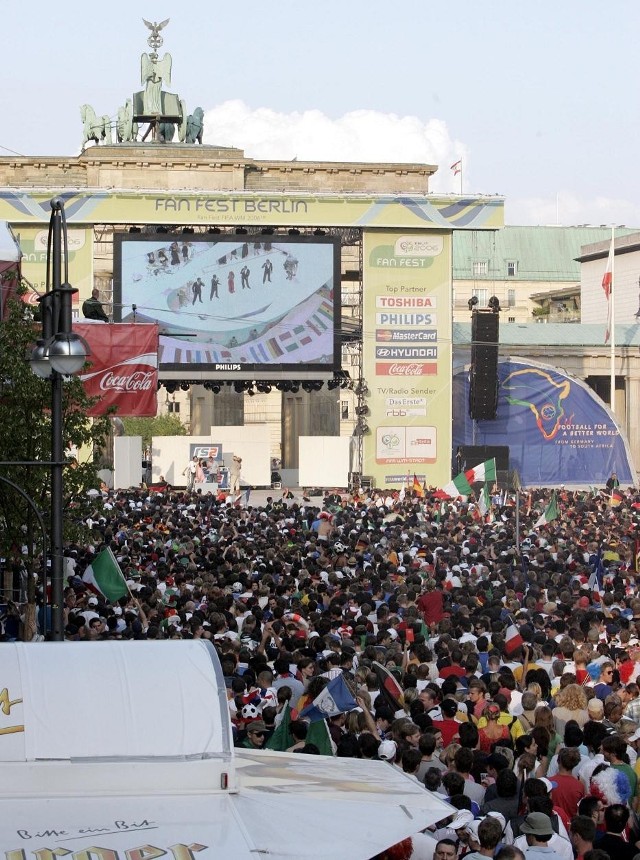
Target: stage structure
(307,278)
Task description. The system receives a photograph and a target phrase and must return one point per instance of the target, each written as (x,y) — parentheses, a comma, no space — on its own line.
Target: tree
(161,425)
(25,437)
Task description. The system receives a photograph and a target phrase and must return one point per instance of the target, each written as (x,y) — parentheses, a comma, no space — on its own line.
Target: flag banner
(616,499)
(484,502)
(282,739)
(336,698)
(456,167)
(417,487)
(461,484)
(607,286)
(550,512)
(318,734)
(513,639)
(123,369)
(389,687)
(104,575)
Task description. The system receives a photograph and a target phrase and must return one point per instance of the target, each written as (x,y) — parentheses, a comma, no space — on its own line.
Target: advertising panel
(33,244)
(234,306)
(557,428)
(407,356)
(123,367)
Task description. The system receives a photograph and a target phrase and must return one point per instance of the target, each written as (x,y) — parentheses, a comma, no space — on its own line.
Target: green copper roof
(540,253)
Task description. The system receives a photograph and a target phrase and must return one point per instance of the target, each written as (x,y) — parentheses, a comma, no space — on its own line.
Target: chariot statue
(163,113)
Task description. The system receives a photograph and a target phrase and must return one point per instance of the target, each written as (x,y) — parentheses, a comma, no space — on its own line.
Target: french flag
(513,639)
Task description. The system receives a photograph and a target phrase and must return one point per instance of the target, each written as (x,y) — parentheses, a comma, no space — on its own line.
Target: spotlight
(251,392)
(188,231)
(308,387)
(494,304)
(285,385)
(361,389)
(267,231)
(171,387)
(294,231)
(184,386)
(294,388)
(241,231)
(332,384)
(362,410)
(473,301)
(215,389)
(266,388)
(135,230)
(162,229)
(238,386)
(214,230)
(319,232)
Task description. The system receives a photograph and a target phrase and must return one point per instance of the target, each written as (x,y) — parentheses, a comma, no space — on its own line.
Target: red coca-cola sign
(398,368)
(123,369)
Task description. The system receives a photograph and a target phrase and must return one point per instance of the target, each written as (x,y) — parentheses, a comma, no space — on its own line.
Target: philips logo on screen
(228,366)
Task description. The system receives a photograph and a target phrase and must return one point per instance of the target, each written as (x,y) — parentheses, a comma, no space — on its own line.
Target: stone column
(215,410)
(315,413)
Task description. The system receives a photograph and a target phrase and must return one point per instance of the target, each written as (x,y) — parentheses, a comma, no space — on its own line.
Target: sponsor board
(406,480)
(418,246)
(414,369)
(390,335)
(406,352)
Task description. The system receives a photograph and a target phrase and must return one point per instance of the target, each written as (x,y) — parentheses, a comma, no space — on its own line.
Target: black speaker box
(483,390)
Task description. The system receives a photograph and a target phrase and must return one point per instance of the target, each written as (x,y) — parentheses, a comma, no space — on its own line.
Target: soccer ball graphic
(250,712)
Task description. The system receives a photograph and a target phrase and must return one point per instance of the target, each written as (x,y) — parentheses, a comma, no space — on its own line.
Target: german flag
(390,689)
(417,488)
(616,499)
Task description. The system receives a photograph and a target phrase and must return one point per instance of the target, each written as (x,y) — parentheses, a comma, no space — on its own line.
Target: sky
(540,101)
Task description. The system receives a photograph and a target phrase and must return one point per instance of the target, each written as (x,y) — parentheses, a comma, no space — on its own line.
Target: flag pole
(612,325)
(461,177)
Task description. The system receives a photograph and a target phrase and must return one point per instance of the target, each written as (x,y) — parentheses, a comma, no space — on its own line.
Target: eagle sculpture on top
(155,39)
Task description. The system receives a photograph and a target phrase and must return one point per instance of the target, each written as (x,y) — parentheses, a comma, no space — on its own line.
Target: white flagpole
(612,325)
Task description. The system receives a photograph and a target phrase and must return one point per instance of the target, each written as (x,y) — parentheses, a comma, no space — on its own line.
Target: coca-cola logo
(138,380)
(397,369)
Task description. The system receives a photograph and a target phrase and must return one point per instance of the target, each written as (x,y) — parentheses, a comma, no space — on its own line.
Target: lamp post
(58,353)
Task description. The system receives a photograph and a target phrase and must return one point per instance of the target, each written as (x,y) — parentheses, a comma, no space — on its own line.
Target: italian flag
(513,639)
(461,485)
(550,512)
(104,576)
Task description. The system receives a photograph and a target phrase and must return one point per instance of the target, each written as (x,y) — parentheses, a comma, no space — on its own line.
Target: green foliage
(161,425)
(25,435)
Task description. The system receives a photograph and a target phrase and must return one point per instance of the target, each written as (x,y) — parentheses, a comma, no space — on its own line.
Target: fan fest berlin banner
(123,368)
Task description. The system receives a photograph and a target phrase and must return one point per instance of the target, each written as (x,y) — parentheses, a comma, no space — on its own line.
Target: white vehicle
(123,751)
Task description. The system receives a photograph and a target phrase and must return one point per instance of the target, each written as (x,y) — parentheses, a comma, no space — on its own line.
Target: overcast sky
(539,100)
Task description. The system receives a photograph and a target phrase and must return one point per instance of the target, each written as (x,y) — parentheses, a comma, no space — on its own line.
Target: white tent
(118,750)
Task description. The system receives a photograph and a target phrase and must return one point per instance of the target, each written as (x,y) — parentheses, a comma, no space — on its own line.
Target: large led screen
(233,307)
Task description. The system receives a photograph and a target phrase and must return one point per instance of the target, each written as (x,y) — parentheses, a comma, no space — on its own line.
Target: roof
(553,334)
(541,253)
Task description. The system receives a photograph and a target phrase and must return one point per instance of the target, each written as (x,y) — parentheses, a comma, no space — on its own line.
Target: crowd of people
(513,659)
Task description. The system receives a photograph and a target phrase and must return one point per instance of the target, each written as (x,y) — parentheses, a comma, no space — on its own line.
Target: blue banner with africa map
(557,429)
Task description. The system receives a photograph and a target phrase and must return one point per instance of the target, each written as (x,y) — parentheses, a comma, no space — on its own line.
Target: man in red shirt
(448,726)
(569,790)
(431,604)
(455,670)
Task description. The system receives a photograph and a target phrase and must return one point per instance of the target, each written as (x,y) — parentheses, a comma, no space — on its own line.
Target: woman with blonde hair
(571,704)
(544,719)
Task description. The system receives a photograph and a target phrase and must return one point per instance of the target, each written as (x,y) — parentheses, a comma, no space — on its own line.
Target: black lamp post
(58,353)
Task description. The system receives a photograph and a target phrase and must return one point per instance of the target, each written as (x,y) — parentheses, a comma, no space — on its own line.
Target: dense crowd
(497,670)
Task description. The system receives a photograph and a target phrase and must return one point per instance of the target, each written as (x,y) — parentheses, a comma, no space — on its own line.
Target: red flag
(417,488)
(390,689)
(513,639)
(124,367)
(457,167)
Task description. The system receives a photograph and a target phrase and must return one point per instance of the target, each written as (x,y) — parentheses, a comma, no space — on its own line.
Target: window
(173,406)
(512,269)
(479,268)
(482,296)
(511,298)
(511,319)
(344,410)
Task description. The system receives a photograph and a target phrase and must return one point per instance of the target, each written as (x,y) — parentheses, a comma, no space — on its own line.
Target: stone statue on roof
(154,71)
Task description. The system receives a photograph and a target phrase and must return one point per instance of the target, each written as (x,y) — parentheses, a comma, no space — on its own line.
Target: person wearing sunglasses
(256,733)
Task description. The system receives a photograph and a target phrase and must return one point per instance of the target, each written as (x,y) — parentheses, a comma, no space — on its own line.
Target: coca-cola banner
(407,357)
(123,368)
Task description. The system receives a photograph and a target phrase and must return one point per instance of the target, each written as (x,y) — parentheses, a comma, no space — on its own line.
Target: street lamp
(58,353)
